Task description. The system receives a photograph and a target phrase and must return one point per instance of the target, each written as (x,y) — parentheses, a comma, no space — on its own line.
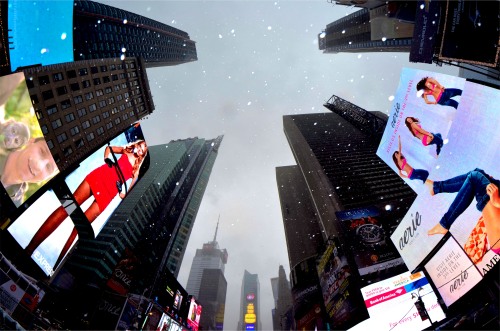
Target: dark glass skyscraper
(250,303)
(102,31)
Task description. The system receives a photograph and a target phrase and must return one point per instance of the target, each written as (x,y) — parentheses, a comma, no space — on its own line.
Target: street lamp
(419,303)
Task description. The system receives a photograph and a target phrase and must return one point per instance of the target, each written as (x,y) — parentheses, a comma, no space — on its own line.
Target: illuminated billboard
(44,36)
(45,230)
(398,295)
(25,160)
(194,314)
(446,150)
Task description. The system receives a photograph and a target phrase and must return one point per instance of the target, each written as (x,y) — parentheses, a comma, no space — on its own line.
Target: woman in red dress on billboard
(103,183)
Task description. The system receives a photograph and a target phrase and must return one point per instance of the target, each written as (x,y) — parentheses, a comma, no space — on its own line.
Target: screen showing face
(25,160)
(41,32)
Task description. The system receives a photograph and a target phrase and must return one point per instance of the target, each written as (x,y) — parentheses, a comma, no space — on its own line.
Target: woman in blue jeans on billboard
(411,173)
(428,86)
(477,184)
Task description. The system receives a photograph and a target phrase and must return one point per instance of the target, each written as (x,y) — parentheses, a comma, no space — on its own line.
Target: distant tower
(283,312)
(207,283)
(102,31)
(367,30)
(250,303)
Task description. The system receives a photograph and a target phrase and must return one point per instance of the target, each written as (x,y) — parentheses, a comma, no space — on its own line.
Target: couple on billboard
(103,184)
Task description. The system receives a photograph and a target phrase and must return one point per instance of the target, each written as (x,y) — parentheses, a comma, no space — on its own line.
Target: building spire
(216,228)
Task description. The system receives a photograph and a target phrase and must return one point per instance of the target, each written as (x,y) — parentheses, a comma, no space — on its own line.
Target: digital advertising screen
(369,243)
(447,151)
(25,160)
(102,181)
(391,304)
(26,231)
(194,314)
(41,32)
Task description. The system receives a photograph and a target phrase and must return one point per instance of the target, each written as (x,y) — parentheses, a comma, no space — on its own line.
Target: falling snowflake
(125,21)
(63,36)
(220,36)
(249,103)
(269,28)
(43,50)
(391,98)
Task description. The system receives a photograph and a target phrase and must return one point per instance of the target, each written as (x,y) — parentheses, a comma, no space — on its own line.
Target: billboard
(365,229)
(25,160)
(471,32)
(46,231)
(172,297)
(124,273)
(427,19)
(44,36)
(398,295)
(459,164)
(194,314)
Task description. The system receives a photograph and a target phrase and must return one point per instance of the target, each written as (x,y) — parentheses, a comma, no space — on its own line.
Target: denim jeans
(446,97)
(438,141)
(419,174)
(470,185)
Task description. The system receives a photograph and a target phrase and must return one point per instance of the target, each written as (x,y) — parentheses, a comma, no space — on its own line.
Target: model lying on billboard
(428,86)
(103,183)
(403,165)
(426,137)
(474,183)
(31,164)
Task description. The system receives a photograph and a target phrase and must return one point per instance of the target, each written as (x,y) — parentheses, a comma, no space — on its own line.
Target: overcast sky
(257,61)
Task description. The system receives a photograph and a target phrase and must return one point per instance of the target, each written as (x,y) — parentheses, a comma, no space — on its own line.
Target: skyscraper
(367,30)
(283,312)
(250,303)
(153,223)
(102,31)
(207,283)
(344,188)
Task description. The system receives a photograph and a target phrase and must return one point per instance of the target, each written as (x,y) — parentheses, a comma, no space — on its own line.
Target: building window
(104,68)
(108,90)
(105,114)
(58,77)
(86,125)
(74,130)
(112,67)
(47,95)
(125,116)
(117,120)
(45,130)
(69,117)
(100,131)
(111,100)
(43,80)
(51,109)
(96,119)
(71,73)
(99,93)
(89,96)
(62,90)
(119,97)
(39,114)
(102,103)
(94,70)
(97,81)
(109,125)
(74,87)
(86,83)
(56,123)
(62,137)
(50,144)
(65,104)
(67,151)
(92,107)
(83,72)
(81,112)
(78,99)
(114,77)
(90,136)
(79,143)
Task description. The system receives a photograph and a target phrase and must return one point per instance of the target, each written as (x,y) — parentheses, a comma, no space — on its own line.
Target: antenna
(215,236)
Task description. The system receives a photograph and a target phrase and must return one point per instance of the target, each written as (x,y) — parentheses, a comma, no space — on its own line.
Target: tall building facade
(283,312)
(341,184)
(367,30)
(250,303)
(102,31)
(153,223)
(81,105)
(207,283)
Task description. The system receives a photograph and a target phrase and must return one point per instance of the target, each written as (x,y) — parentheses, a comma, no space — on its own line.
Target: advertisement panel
(25,160)
(129,319)
(458,165)
(471,32)
(450,270)
(10,293)
(125,272)
(427,19)
(107,312)
(194,314)
(27,225)
(399,295)
(40,32)
(172,297)
(365,230)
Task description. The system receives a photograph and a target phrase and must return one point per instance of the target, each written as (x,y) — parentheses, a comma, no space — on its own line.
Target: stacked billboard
(441,138)
(46,230)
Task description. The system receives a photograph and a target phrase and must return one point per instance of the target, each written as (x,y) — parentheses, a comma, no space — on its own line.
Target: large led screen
(102,180)
(41,32)
(27,226)
(391,304)
(25,160)
(447,151)
(194,314)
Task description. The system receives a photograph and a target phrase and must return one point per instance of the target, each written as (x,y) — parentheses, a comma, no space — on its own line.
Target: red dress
(103,180)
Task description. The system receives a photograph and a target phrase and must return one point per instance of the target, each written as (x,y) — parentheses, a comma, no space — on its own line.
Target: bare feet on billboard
(437,229)
(430,184)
